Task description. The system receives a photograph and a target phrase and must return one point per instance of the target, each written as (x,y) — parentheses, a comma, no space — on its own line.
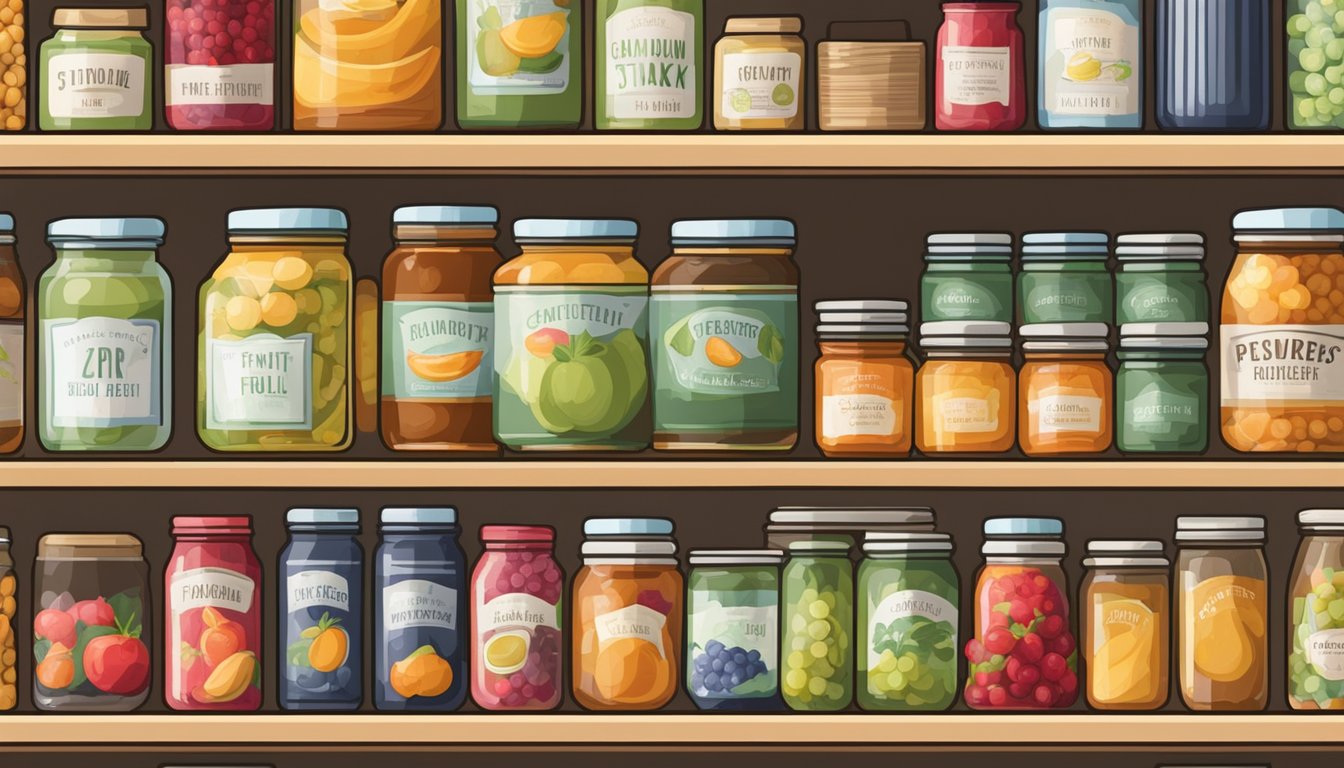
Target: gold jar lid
(101,18)
(763,25)
(86,546)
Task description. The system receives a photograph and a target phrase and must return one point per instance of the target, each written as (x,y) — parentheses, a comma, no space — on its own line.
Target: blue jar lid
(6,222)
(575,229)
(146,230)
(1292,219)
(419,516)
(1066,238)
(287,220)
(627,526)
(1024,526)
(312,516)
(701,231)
(446,214)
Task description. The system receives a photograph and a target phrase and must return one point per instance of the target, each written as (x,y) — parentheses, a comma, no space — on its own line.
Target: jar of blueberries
(732,638)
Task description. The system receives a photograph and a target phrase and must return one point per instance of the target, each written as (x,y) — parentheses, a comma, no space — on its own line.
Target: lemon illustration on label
(1082,67)
(506,652)
(740,100)
(782,95)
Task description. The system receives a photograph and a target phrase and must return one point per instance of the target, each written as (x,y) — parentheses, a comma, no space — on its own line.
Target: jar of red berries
(219,65)
(515,620)
(1024,652)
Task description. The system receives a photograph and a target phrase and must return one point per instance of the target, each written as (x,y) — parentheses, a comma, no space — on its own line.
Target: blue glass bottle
(420,612)
(1213,65)
(322,611)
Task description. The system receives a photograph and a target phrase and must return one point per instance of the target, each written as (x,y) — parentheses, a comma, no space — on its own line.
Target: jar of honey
(967,389)
(1065,389)
(1126,597)
(865,379)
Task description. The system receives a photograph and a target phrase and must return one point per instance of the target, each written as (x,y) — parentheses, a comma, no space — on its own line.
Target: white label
(600,314)
(965,415)
(850,415)
(318,589)
(1325,652)
(216,587)
(419,603)
(11,373)
(751,627)
(974,76)
(637,621)
(95,85)
(907,603)
(651,59)
(1091,63)
(1267,363)
(760,85)
(1066,413)
(236,84)
(261,382)
(103,372)
(514,611)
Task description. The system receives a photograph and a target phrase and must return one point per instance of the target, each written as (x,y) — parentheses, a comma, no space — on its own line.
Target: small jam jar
(865,380)
(967,389)
(980,76)
(1066,390)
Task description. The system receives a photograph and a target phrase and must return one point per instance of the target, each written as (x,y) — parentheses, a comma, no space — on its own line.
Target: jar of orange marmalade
(865,379)
(967,390)
(1065,389)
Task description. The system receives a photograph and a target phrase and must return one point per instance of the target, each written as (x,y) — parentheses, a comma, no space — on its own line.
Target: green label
(957,298)
(1066,298)
(437,349)
(1156,299)
(1161,412)
(721,345)
(518,47)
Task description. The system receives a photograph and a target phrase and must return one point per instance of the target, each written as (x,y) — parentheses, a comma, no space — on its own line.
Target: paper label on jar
(750,627)
(633,621)
(436,350)
(1091,61)
(760,85)
(964,415)
(516,610)
(1269,363)
(261,382)
(855,415)
(651,59)
(212,587)
(974,76)
(419,603)
(103,372)
(495,69)
(722,344)
(11,373)
(906,604)
(187,84)
(1160,411)
(1325,653)
(95,85)
(1067,413)
(318,589)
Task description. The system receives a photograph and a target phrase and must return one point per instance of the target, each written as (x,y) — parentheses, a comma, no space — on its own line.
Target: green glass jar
(105,344)
(732,629)
(1161,279)
(1162,388)
(519,64)
(967,276)
(649,71)
(96,71)
(907,623)
(1065,279)
(818,628)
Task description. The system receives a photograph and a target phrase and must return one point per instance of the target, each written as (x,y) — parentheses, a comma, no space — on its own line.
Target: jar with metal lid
(759,75)
(1091,65)
(817,635)
(1223,606)
(1126,639)
(967,276)
(1161,279)
(1065,279)
(13,299)
(275,365)
(92,625)
(966,389)
(848,524)
(438,329)
(1065,389)
(9,608)
(1162,388)
(980,75)
(1316,613)
(865,379)
(732,629)
(97,71)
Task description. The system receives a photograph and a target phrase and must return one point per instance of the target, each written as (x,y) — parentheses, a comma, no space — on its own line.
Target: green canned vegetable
(1161,279)
(1065,279)
(817,642)
(968,276)
(1162,388)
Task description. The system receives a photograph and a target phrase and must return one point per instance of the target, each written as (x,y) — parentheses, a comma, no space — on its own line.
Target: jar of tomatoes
(213,638)
(981,82)
(219,65)
(517,661)
(1024,652)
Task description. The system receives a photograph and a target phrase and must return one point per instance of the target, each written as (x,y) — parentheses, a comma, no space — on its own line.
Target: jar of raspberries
(219,65)
(1024,652)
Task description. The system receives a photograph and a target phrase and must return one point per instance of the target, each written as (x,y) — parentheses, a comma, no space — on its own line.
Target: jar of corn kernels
(1282,332)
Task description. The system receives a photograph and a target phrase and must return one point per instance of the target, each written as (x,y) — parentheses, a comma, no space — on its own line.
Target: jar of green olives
(275,347)
(818,598)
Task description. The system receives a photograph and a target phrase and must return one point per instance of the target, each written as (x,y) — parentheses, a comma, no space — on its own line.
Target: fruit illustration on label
(328,644)
(722,353)
(580,384)
(528,45)
(782,95)
(422,673)
(444,368)
(506,652)
(229,680)
(221,639)
(542,343)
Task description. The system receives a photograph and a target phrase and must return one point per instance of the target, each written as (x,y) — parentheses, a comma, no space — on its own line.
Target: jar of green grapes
(817,645)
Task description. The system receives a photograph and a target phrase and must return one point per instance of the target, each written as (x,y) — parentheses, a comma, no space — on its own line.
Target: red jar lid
(517,533)
(212,525)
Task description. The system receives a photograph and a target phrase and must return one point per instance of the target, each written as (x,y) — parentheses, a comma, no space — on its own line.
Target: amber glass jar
(438,329)
(865,381)
(1315,627)
(1126,597)
(13,292)
(1066,390)
(966,390)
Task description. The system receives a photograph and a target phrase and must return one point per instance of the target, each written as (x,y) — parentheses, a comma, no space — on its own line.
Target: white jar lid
(1220,528)
(730,557)
(851,517)
(862,305)
(880,542)
(1321,519)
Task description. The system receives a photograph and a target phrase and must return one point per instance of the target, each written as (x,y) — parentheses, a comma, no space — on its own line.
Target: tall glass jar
(908,596)
(817,635)
(1213,65)
(967,277)
(966,390)
(649,71)
(1161,279)
(865,383)
(438,329)
(1223,604)
(1125,603)
(1314,66)
(14,70)
(732,632)
(106,338)
(980,77)
(1316,619)
(9,608)
(13,300)
(517,647)
(1065,279)
(1162,388)
(275,351)
(92,623)
(219,65)
(1066,391)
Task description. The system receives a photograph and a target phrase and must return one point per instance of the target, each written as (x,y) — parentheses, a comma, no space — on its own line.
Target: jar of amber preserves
(13,292)
(1065,389)
(865,379)
(966,390)
(1125,599)
(438,329)
(1282,332)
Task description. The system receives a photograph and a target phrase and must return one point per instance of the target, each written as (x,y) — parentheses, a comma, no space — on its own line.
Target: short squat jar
(966,389)
(759,76)
(1162,388)
(96,71)
(865,379)
(1065,279)
(1161,279)
(967,277)
(1065,390)
(732,629)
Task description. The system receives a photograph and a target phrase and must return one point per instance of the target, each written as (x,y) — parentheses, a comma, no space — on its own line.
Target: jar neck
(1160,355)
(1306,243)
(543,547)
(614,250)
(131,255)
(257,243)
(213,538)
(1081,357)
(781,252)
(998,356)
(424,234)
(862,348)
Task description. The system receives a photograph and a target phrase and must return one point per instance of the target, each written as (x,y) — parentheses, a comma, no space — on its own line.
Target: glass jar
(980,79)
(1162,388)
(275,371)
(649,73)
(519,64)
(13,299)
(759,78)
(9,607)
(1223,606)
(212,647)
(1067,401)
(322,612)
(724,318)
(219,65)
(1065,279)
(1091,64)
(368,67)
(419,596)
(627,616)
(966,389)
(817,635)
(1213,65)
(438,329)
(1161,279)
(572,332)
(97,71)
(14,71)
(865,379)
(907,622)
(967,277)
(1282,376)
(517,649)
(732,632)
(1313,73)
(1024,652)
(1316,621)
(106,341)
(1126,596)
